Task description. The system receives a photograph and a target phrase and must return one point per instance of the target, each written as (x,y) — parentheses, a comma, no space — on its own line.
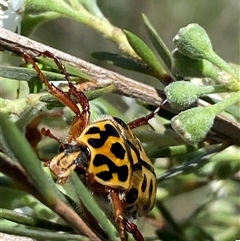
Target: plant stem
(222,105)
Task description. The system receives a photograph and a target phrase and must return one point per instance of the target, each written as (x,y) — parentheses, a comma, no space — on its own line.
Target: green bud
(193,125)
(184,66)
(194,42)
(181,94)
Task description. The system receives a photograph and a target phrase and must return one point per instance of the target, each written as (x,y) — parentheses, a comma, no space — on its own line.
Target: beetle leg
(118,213)
(133,229)
(48,133)
(58,93)
(81,118)
(144,120)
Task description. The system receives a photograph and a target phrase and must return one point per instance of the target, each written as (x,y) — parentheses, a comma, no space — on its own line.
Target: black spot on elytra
(132,195)
(121,123)
(105,175)
(150,188)
(148,203)
(93,130)
(118,150)
(141,162)
(122,171)
(104,135)
(137,166)
(148,166)
(144,183)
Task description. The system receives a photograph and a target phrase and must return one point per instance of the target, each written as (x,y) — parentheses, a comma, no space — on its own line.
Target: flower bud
(182,94)
(184,66)
(193,125)
(193,41)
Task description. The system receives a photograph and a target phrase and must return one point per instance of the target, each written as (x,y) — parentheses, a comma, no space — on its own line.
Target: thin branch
(226,128)
(103,77)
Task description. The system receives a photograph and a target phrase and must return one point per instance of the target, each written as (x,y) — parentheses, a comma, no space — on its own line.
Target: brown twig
(103,77)
(226,128)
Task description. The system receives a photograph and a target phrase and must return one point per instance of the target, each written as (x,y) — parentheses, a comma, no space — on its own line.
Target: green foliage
(160,46)
(146,55)
(123,62)
(197,191)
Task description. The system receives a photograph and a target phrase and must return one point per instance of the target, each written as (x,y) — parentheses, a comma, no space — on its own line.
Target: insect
(111,157)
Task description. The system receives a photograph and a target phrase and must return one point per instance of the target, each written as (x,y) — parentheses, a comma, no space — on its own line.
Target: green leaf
(89,202)
(197,159)
(39,234)
(171,151)
(27,74)
(159,46)
(12,138)
(147,56)
(70,69)
(31,221)
(123,62)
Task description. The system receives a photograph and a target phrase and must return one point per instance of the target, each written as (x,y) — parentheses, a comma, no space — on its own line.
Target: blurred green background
(220,18)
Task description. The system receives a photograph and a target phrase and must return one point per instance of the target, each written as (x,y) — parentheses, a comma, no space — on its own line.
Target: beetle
(107,152)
